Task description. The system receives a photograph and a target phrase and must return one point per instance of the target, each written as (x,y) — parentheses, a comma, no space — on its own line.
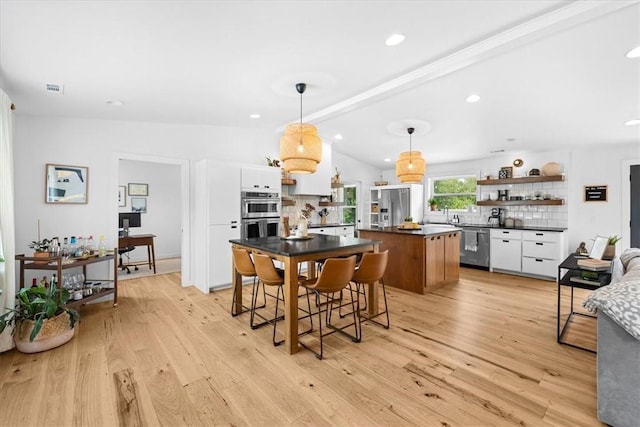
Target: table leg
(236,282)
(372,297)
(291,305)
(153,256)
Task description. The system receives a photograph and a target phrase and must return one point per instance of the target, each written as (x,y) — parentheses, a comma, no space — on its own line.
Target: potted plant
(433,204)
(610,250)
(41,250)
(408,222)
(41,319)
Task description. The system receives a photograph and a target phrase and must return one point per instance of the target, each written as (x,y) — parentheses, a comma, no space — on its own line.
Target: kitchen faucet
(446,211)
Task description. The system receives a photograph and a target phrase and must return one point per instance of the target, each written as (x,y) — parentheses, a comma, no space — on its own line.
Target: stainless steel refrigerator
(396,202)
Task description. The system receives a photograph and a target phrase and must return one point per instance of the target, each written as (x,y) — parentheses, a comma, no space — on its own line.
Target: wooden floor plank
(479,352)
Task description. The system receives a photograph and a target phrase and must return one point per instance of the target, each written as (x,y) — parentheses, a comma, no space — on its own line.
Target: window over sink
(454,192)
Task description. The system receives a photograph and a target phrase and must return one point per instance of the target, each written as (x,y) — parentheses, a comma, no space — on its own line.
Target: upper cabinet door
(255,178)
(224,193)
(318,183)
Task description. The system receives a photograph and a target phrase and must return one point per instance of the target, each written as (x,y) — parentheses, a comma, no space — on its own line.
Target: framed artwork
(66,184)
(595,193)
(505,172)
(122,196)
(599,245)
(139,204)
(136,189)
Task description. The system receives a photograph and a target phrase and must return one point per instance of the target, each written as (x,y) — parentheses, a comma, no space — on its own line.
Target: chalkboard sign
(595,193)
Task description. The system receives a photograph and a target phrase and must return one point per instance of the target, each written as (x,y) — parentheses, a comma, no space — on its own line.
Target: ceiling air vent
(55,88)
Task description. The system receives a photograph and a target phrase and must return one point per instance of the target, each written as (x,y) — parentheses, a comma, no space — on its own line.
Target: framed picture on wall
(66,184)
(136,189)
(139,204)
(122,196)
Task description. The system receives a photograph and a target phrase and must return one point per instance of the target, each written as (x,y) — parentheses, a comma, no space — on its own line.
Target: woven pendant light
(410,167)
(300,146)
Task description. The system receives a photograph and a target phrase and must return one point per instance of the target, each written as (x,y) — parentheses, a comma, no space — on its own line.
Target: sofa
(618,360)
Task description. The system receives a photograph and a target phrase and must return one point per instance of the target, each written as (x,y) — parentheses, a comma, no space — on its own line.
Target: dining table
(291,252)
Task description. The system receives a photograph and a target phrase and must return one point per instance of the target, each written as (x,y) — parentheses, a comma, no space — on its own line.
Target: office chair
(125,252)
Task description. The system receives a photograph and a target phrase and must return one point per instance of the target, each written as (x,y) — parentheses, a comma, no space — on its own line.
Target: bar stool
(371,270)
(335,276)
(244,266)
(270,276)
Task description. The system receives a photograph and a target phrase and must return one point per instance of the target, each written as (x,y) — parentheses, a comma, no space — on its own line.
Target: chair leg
(385,312)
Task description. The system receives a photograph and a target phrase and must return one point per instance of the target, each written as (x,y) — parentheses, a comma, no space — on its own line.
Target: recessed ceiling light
(255,116)
(394,39)
(633,122)
(387,159)
(338,136)
(473,98)
(115,103)
(497,151)
(511,139)
(634,53)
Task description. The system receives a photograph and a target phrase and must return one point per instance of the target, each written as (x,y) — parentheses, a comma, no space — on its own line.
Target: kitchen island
(420,260)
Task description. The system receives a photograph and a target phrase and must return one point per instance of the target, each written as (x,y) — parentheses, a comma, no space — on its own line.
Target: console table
(564,280)
(56,264)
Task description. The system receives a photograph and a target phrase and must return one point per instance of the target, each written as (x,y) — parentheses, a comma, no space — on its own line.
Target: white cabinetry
(542,251)
(530,252)
(261,178)
(318,183)
(217,220)
(342,230)
(506,250)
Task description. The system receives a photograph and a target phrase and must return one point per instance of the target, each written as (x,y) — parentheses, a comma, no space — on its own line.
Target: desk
(293,252)
(140,240)
(573,270)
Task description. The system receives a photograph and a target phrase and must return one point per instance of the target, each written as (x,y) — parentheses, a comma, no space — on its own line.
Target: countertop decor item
(534,172)
(410,167)
(551,169)
(300,146)
(41,319)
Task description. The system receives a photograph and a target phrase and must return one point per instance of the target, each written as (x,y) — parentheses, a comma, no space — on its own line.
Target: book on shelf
(578,279)
(594,264)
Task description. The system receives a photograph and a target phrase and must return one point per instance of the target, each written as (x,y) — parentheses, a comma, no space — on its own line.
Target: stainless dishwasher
(474,246)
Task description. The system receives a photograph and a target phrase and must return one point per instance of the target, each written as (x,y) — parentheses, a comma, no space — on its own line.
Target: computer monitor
(127,220)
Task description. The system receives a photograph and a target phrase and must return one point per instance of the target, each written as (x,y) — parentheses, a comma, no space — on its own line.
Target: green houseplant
(610,250)
(433,204)
(41,319)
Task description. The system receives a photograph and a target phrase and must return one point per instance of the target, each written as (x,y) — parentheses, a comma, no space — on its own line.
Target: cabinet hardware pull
(505,241)
(538,260)
(539,244)
(539,234)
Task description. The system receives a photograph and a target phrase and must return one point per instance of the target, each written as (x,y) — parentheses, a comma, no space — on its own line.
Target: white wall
(589,166)
(94,143)
(163,208)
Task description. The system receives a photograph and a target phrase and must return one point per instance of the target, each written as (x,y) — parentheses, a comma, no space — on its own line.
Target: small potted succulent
(433,204)
(41,250)
(408,222)
(610,249)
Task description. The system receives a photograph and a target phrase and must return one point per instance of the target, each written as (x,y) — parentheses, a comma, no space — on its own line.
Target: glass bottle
(102,247)
(73,246)
(90,245)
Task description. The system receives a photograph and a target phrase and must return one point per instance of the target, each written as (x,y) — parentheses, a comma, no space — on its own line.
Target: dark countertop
(316,244)
(331,224)
(424,230)
(530,228)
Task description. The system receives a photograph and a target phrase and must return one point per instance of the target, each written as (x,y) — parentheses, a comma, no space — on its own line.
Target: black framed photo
(66,184)
(505,172)
(595,193)
(122,196)
(137,189)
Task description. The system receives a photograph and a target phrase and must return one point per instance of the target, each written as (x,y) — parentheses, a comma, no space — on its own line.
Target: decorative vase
(551,169)
(55,332)
(43,257)
(609,252)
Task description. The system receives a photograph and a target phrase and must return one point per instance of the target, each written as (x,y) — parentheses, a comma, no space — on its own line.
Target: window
(454,192)
(348,209)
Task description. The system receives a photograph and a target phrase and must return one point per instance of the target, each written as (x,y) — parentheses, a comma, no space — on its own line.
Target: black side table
(573,270)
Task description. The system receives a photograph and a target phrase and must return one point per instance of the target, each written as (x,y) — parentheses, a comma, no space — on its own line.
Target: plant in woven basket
(37,304)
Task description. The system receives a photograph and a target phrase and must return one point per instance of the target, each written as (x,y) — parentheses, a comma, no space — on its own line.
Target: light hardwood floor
(481,352)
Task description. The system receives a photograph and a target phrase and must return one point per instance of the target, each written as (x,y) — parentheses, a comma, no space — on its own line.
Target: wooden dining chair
(244,266)
(270,276)
(335,276)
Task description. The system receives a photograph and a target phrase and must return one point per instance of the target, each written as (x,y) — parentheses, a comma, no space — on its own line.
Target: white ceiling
(551,74)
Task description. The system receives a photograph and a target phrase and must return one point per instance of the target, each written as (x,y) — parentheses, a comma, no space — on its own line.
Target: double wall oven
(260,214)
